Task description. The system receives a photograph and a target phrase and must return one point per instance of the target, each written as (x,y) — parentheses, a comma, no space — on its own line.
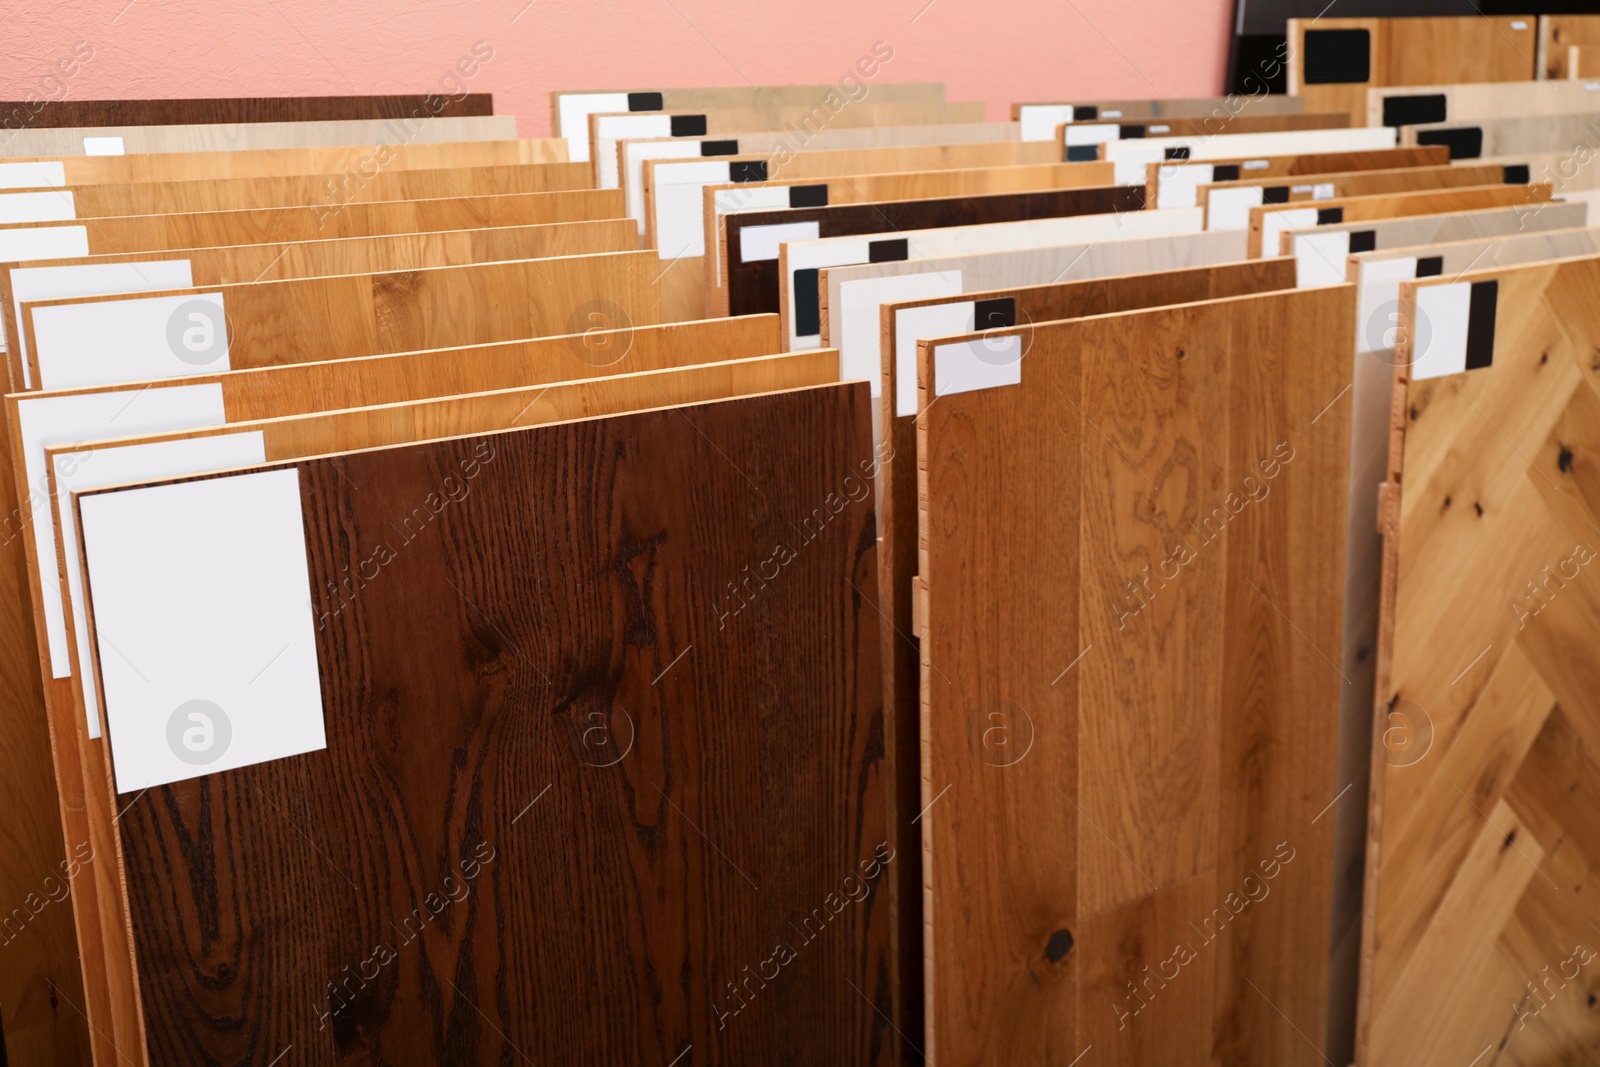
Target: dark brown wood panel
(753,287)
(55,114)
(620,911)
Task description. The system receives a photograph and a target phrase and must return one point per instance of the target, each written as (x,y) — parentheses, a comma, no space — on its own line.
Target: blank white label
(1320,258)
(680,205)
(1038,122)
(1322,191)
(83,417)
(1378,302)
(110,341)
(613,128)
(1229,209)
(32,175)
(1257,164)
(208,665)
(919,324)
(43,242)
(635,153)
(573,111)
(1518,24)
(1097,133)
(983,363)
(85,279)
(860,340)
(103,146)
(1443,314)
(1274,223)
(757,243)
(127,465)
(55,205)
(1178,185)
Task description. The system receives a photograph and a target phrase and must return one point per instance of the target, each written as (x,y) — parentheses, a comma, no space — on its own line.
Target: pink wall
(1042,49)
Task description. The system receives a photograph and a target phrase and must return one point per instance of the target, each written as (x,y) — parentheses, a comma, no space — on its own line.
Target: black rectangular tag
(1430,266)
(747,170)
(719,148)
(1225,172)
(1480,324)
(1337,57)
(1275,194)
(688,125)
(1464,142)
(644,101)
(1327,216)
(889,251)
(1363,241)
(994,314)
(807,303)
(1082,153)
(1414,110)
(1181,152)
(1128,132)
(808,196)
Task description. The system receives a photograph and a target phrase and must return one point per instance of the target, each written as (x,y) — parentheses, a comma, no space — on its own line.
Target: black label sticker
(688,125)
(1414,110)
(644,101)
(1275,194)
(1327,216)
(1464,142)
(1337,57)
(1225,172)
(1430,266)
(1084,114)
(1480,324)
(719,148)
(890,251)
(1181,152)
(1516,174)
(808,196)
(1363,241)
(1125,132)
(1082,153)
(807,304)
(747,170)
(998,314)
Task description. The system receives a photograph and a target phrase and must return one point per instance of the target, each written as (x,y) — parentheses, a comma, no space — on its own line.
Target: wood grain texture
(87,806)
(897,546)
(229,137)
(754,287)
(1484,759)
(732,96)
(1178,714)
(351,255)
(1364,183)
(1528,198)
(1272,166)
(1417,51)
(1514,136)
(1191,106)
(52,114)
(1455,225)
(300,320)
(1560,33)
(273,162)
(565,601)
(1490,100)
(211,229)
(1225,122)
(328,192)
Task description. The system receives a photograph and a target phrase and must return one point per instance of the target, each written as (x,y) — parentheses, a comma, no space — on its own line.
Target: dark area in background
(1258,34)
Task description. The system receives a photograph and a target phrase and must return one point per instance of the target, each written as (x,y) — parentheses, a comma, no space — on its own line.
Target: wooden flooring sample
(753,284)
(1173,183)
(1507,136)
(1132,558)
(1485,763)
(33,143)
(1269,221)
(1413,104)
(1228,203)
(51,114)
(551,686)
(1560,33)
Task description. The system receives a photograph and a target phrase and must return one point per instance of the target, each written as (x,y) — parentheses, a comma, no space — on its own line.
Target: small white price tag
(103,146)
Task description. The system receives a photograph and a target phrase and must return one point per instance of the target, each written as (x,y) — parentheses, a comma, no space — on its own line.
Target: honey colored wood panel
(898,537)
(352,255)
(274,162)
(1558,35)
(1583,62)
(85,803)
(789,800)
(1415,51)
(1182,126)
(1179,720)
(1483,100)
(1509,136)
(758,96)
(1399,205)
(1309,187)
(300,320)
(1187,107)
(1485,727)
(325,192)
(210,229)
(50,114)
(229,137)
(1157,174)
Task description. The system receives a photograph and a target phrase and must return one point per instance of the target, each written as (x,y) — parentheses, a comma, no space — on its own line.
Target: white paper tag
(1518,24)
(983,363)
(1320,258)
(33,175)
(757,243)
(103,146)
(1112,113)
(920,324)
(1038,122)
(1443,314)
(1229,209)
(1378,302)
(1256,164)
(47,206)
(207,665)
(1323,191)
(573,112)
(108,341)
(860,340)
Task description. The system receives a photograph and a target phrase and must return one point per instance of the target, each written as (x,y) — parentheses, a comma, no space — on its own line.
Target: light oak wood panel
(1448,226)
(1558,34)
(1412,104)
(1485,723)
(1394,205)
(1179,717)
(229,137)
(347,255)
(1477,138)
(301,320)
(1317,187)
(85,804)
(1039,119)
(803,803)
(1404,51)
(897,543)
(274,162)
(1082,136)
(1172,183)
